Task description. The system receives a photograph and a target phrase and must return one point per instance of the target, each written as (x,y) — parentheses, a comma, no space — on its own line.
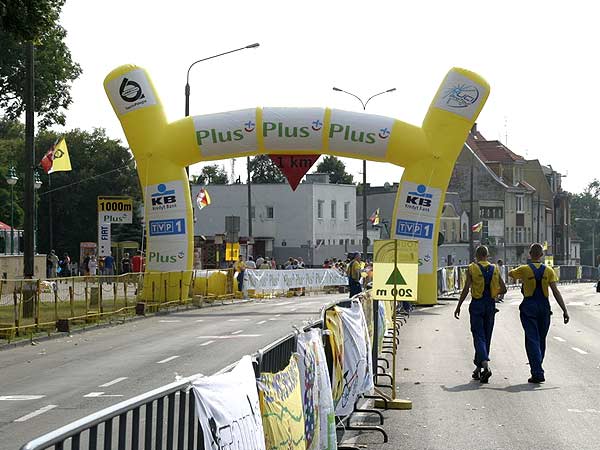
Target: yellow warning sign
(232,251)
(395,281)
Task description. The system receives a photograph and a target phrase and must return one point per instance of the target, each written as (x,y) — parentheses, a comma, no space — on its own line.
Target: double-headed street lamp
(12,179)
(364,191)
(584,219)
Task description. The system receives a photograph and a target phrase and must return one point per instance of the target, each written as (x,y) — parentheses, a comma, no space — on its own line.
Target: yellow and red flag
(374,219)
(202,199)
(57,158)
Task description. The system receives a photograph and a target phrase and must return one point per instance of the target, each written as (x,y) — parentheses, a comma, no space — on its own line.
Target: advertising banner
(264,280)
(281,407)
(228,409)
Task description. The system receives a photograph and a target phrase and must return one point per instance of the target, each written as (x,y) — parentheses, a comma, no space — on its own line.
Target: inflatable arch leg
(162,150)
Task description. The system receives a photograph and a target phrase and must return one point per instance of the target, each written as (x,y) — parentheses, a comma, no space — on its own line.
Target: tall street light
(583,219)
(37,184)
(364,191)
(12,179)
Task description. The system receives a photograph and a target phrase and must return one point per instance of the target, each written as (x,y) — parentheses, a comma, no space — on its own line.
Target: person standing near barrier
(502,271)
(109,265)
(485,283)
(535,309)
(92,266)
(54,263)
(353,272)
(240,268)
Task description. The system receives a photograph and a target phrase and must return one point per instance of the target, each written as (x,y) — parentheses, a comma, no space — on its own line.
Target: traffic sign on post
(395,270)
(232,251)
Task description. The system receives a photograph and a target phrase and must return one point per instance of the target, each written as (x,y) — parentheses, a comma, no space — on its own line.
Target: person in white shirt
(250,264)
(259,261)
(93,265)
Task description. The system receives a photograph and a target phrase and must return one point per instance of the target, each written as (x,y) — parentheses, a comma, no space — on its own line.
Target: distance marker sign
(395,281)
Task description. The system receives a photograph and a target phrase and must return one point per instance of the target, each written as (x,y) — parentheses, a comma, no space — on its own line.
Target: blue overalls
(482,311)
(535,318)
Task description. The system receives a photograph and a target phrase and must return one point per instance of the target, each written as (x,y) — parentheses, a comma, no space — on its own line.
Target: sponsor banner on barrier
(165,200)
(167,254)
(460,95)
(130,92)
(357,365)
(358,133)
(228,409)
(264,280)
(333,323)
(416,213)
(319,413)
(115,209)
(227,133)
(293,128)
(281,407)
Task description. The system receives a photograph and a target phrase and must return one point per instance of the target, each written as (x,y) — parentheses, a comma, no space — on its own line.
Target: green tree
(11,154)
(587,206)
(336,170)
(264,171)
(212,174)
(54,68)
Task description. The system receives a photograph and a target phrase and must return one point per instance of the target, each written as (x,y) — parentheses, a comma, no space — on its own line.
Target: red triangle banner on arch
(294,167)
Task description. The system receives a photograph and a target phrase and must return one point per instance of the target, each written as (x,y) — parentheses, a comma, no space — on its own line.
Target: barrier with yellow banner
(162,151)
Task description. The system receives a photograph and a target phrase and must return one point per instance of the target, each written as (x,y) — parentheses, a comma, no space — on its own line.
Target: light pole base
(396,403)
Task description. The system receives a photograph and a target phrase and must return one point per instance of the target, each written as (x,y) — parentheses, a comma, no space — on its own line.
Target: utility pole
(28,266)
(249,207)
(471,216)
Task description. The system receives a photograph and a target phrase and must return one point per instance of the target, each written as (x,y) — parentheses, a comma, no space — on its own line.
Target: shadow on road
(515,388)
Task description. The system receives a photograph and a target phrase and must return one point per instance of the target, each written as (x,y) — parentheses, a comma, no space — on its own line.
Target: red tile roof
(491,151)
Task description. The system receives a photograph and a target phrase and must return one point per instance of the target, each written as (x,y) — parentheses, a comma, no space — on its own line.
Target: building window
(346,210)
(333,209)
(341,242)
(519,200)
(489,212)
(252,212)
(465,236)
(352,241)
(484,230)
(270,213)
(320,204)
(453,232)
(519,235)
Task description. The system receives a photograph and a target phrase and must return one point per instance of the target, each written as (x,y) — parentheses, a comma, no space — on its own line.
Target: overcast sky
(540,58)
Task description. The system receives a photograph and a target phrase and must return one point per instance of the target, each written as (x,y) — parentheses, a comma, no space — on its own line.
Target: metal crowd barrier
(164,418)
(451,279)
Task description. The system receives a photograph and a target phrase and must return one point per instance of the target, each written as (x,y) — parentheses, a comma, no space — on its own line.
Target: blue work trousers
(535,318)
(354,287)
(482,312)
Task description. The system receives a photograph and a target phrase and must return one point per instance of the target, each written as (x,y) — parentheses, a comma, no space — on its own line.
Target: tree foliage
(264,171)
(211,174)
(336,170)
(101,166)
(587,206)
(55,70)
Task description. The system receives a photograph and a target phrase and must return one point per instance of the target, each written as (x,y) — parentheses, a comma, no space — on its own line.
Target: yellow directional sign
(395,270)
(232,251)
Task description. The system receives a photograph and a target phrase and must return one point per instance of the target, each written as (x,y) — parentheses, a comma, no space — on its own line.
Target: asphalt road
(452,412)
(58,381)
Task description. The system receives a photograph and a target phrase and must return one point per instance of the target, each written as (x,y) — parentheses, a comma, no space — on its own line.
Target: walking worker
(485,283)
(535,309)
(353,271)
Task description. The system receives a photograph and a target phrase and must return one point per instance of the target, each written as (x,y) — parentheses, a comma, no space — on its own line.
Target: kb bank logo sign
(419,200)
(164,198)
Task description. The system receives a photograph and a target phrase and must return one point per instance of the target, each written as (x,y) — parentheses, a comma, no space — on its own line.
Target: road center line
(168,359)
(36,413)
(200,320)
(282,303)
(14,398)
(578,350)
(115,381)
(559,339)
(261,322)
(204,344)
(238,320)
(101,394)
(230,336)
(238,332)
(169,321)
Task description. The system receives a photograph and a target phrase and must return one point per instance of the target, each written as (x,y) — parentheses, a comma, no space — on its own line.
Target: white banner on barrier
(264,280)
(228,409)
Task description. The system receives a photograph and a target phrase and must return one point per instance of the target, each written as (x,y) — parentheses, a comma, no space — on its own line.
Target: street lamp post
(584,219)
(37,184)
(364,190)
(12,179)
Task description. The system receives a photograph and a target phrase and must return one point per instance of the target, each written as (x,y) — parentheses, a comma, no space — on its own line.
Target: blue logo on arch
(421,192)
(162,190)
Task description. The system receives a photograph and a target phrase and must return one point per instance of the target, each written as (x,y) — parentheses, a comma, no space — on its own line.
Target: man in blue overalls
(535,308)
(484,280)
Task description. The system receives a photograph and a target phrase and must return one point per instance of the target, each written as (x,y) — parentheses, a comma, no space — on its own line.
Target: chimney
(474,128)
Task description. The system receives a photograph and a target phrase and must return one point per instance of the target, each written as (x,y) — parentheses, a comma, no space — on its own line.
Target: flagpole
(51,236)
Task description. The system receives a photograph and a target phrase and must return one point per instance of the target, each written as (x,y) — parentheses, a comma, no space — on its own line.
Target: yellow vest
(525,273)
(478,283)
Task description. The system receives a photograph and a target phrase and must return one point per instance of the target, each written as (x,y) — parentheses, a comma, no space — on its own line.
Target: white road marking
(277,315)
(238,332)
(574,410)
(238,320)
(261,322)
(115,381)
(36,413)
(282,303)
(576,303)
(230,336)
(204,344)
(100,394)
(171,358)
(169,321)
(293,309)
(559,339)
(578,350)
(16,398)
(200,320)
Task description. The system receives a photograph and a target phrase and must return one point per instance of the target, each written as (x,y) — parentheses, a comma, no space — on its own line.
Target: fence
(32,306)
(270,283)
(165,418)
(451,280)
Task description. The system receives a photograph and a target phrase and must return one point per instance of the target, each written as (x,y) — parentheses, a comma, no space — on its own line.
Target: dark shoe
(485,376)
(476,374)
(536,380)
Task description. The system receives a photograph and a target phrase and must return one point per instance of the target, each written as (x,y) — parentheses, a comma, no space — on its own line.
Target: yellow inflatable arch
(162,150)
